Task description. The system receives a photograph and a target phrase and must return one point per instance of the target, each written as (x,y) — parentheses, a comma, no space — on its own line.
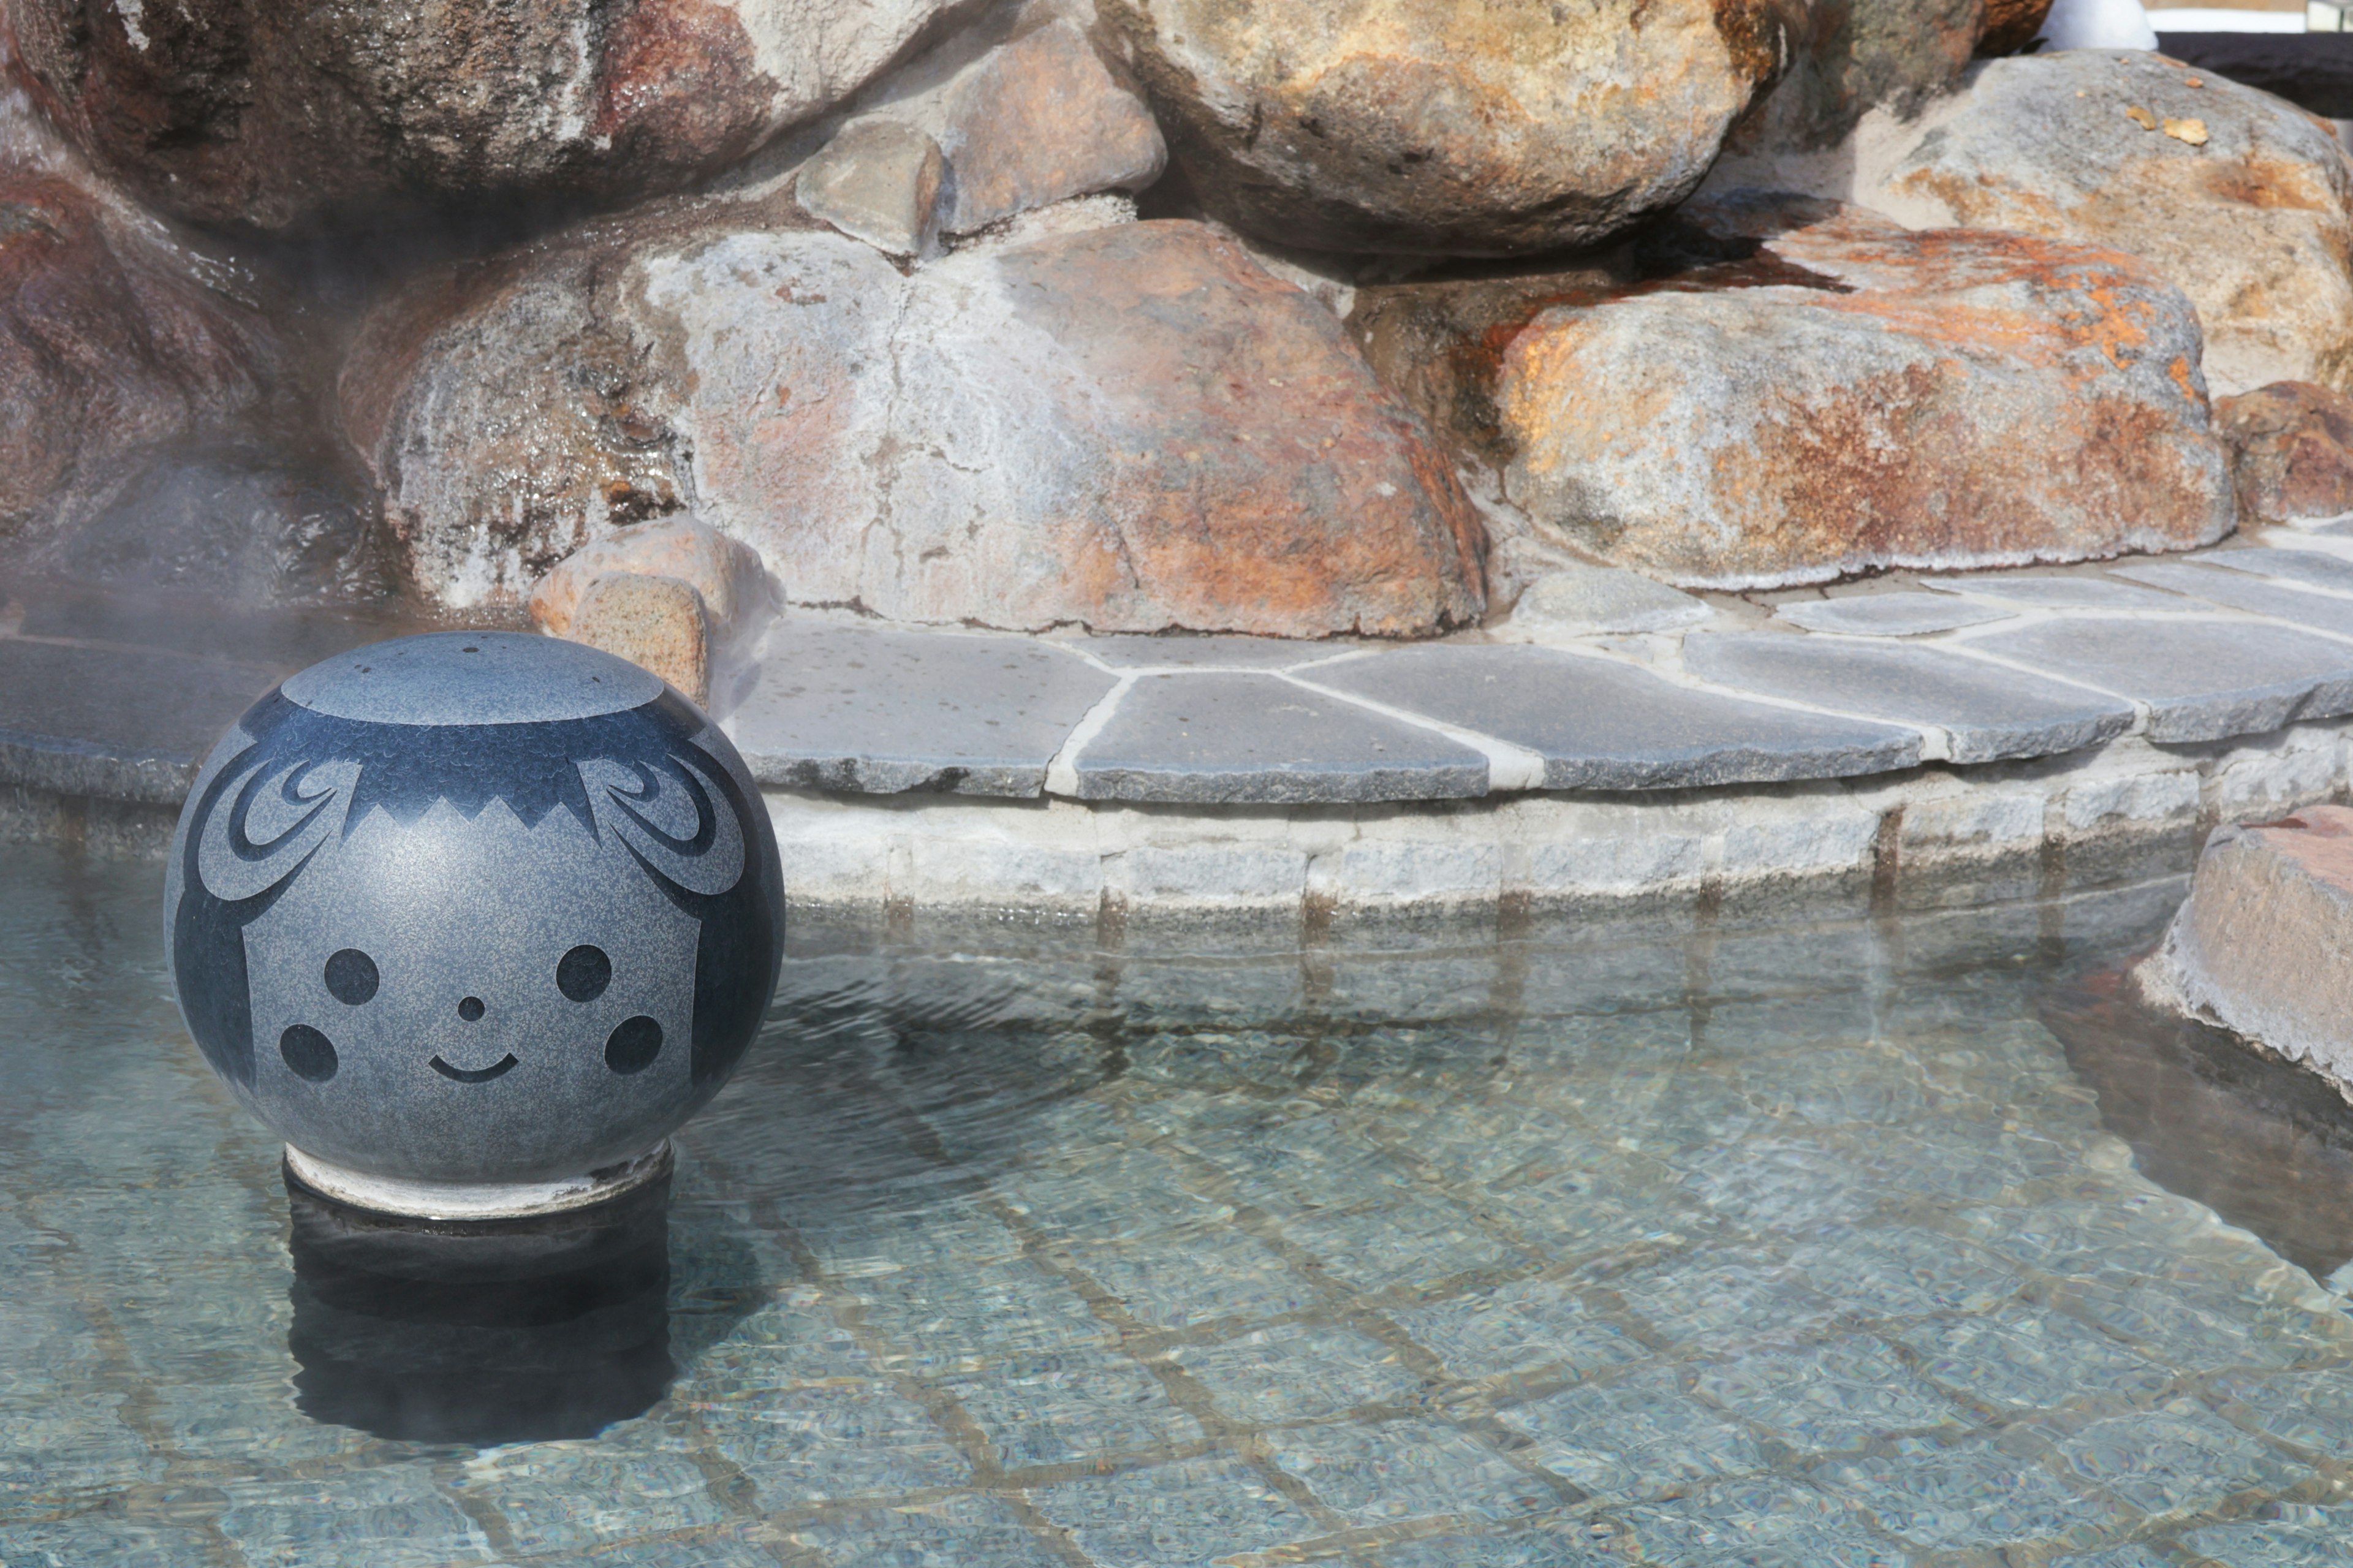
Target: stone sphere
(474,921)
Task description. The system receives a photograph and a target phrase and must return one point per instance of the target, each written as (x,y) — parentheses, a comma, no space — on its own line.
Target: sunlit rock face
(286,114)
(1426,126)
(2238,199)
(1130,427)
(1846,396)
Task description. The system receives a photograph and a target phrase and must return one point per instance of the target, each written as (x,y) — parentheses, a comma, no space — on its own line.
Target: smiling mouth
(478,1075)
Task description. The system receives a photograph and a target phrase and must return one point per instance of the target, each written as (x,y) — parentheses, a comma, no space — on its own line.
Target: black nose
(470,1008)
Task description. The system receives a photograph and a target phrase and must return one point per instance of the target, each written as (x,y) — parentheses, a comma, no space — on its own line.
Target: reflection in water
(481,1333)
(2264,1143)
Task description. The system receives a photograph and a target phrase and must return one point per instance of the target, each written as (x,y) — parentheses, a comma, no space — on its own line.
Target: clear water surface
(1807,1246)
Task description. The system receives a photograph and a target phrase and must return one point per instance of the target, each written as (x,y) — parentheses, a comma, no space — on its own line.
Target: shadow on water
(2262,1142)
(481,1333)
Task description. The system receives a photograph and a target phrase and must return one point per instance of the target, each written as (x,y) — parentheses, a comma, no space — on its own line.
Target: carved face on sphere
(474,908)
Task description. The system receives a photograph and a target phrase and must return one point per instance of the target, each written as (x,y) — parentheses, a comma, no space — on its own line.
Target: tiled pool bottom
(1797,1247)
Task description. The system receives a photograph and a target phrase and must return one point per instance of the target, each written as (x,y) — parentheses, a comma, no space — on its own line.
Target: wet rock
(2010,26)
(1038,119)
(2291,451)
(116,343)
(1423,126)
(1132,428)
(278,115)
(1848,396)
(879,181)
(725,572)
(656,622)
(2259,946)
(2255,223)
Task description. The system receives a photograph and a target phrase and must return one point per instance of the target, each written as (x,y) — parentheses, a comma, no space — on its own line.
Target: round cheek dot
(633,1045)
(583,974)
(309,1053)
(351,977)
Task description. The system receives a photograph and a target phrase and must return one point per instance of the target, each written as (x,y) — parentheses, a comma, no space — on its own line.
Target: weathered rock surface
(725,572)
(2260,946)
(114,344)
(878,180)
(1131,429)
(1038,120)
(280,114)
(2291,451)
(1584,601)
(1846,396)
(1849,57)
(656,622)
(2254,221)
(1427,126)
(2011,25)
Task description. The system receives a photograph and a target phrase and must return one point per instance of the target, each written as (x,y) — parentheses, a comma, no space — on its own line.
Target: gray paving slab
(2202,681)
(1607,726)
(2056,593)
(2311,568)
(883,713)
(2256,595)
(122,724)
(1260,740)
(1989,711)
(1888,614)
(1208,652)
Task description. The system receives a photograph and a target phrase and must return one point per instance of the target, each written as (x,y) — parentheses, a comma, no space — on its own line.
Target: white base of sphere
(470,1200)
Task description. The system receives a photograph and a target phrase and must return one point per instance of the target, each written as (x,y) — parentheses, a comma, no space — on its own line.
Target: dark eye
(307,1053)
(584,973)
(633,1046)
(351,977)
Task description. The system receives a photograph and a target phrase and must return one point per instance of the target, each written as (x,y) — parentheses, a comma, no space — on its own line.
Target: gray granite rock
(1603,725)
(1989,712)
(1888,614)
(843,708)
(2312,568)
(2202,681)
(1134,652)
(116,723)
(2243,591)
(2054,593)
(1574,601)
(1258,739)
(879,181)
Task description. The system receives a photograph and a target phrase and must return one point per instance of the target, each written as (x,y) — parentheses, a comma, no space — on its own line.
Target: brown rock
(2254,221)
(1849,396)
(1131,429)
(724,573)
(1849,57)
(2011,25)
(1428,126)
(656,623)
(294,113)
(112,346)
(1037,121)
(2291,451)
(2260,946)
(879,181)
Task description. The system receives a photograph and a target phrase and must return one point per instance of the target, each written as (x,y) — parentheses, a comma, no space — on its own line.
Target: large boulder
(1130,429)
(1841,396)
(2239,199)
(2260,946)
(1428,126)
(284,113)
(116,345)
(1850,56)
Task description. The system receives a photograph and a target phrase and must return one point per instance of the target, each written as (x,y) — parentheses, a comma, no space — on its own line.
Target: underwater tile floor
(1801,1247)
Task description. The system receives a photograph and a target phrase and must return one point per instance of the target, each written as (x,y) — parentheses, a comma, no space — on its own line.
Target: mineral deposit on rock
(279,114)
(2255,223)
(1430,126)
(2261,945)
(2291,451)
(1851,396)
(1130,429)
(114,341)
